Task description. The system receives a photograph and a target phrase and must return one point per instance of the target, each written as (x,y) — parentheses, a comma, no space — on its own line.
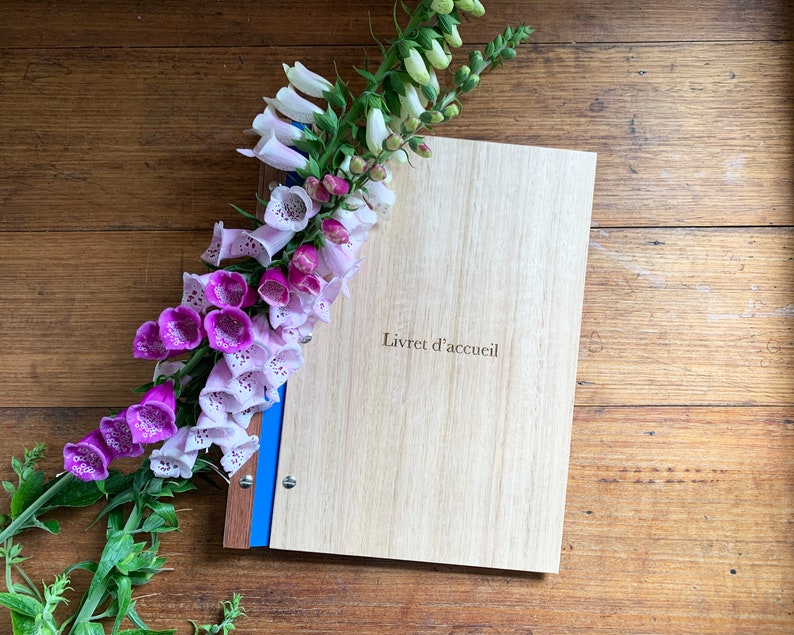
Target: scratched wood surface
(119,122)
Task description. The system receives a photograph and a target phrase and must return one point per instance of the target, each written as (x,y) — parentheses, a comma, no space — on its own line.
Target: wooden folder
(432,418)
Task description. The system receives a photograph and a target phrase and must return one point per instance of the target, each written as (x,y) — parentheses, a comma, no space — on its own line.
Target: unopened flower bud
(471,83)
(462,74)
(314,188)
(507,53)
(423,150)
(357,165)
(436,117)
(416,67)
(437,56)
(335,185)
(451,111)
(442,6)
(478,11)
(335,231)
(377,172)
(393,142)
(464,5)
(453,37)
(411,124)
(305,259)
(475,59)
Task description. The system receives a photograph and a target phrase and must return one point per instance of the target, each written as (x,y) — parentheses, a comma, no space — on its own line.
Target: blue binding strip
(265,481)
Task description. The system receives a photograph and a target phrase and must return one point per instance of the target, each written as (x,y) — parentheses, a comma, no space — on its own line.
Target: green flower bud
(451,111)
(423,150)
(507,54)
(475,59)
(436,117)
(471,83)
(478,11)
(461,75)
(394,142)
(466,6)
(357,165)
(442,6)
(411,124)
(377,172)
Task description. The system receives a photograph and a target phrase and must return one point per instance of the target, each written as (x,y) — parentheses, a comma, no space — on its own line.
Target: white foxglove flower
(416,67)
(290,104)
(412,103)
(437,56)
(376,130)
(306,81)
(269,122)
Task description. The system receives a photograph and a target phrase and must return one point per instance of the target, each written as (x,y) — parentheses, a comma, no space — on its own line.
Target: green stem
(19,523)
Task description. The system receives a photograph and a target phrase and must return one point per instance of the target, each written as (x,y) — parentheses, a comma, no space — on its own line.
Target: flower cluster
(236,336)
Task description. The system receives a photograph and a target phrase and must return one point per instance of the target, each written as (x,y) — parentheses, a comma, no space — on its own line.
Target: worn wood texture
(118,126)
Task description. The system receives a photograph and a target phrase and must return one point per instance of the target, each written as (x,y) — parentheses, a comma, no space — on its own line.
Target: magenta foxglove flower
(290,104)
(180,328)
(290,208)
(306,81)
(118,436)
(228,330)
(335,185)
(273,287)
(305,259)
(271,151)
(147,343)
(304,282)
(173,460)
(154,418)
(229,289)
(335,231)
(88,459)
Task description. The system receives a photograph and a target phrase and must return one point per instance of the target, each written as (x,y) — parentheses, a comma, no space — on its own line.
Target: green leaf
(123,597)
(146,631)
(21,604)
(89,628)
(28,491)
(24,625)
(366,75)
(9,487)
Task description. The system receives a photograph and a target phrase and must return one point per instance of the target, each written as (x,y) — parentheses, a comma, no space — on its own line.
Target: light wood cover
(432,418)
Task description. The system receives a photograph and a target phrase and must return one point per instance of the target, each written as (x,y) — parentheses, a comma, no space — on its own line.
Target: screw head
(246,481)
(289,482)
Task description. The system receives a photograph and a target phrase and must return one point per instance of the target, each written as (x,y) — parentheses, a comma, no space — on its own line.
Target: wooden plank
(671,316)
(452,445)
(678,520)
(92,23)
(688,134)
(688,317)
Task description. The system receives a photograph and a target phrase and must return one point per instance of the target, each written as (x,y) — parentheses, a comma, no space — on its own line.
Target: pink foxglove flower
(228,330)
(290,208)
(335,231)
(271,151)
(314,188)
(147,343)
(335,185)
(376,131)
(268,122)
(88,459)
(154,418)
(229,289)
(255,356)
(290,104)
(118,436)
(193,291)
(305,259)
(237,453)
(173,460)
(180,328)
(273,287)
(236,243)
(293,314)
(285,361)
(306,81)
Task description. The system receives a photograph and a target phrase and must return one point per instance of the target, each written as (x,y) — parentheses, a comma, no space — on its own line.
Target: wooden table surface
(118,124)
